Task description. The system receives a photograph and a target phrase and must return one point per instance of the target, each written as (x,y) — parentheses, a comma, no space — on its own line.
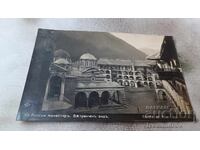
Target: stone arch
(139,84)
(107,71)
(137,73)
(130,73)
(131,78)
(93,99)
(132,83)
(138,78)
(125,73)
(120,82)
(125,77)
(126,83)
(80,100)
(120,76)
(105,97)
(55,87)
(151,85)
(107,76)
(150,79)
(145,84)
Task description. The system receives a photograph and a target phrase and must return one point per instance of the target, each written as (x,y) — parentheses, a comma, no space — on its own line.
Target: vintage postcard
(100,76)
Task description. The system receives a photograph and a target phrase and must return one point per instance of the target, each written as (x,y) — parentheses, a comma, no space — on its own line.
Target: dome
(61,53)
(88,56)
(61,61)
(81,85)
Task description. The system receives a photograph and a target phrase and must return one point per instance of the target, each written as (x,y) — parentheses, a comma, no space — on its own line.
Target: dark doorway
(80,100)
(104,97)
(55,87)
(107,71)
(145,84)
(151,85)
(120,82)
(132,84)
(93,99)
(107,76)
(139,84)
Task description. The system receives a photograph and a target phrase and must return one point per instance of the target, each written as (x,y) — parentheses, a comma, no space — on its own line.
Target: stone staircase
(114,105)
(67,100)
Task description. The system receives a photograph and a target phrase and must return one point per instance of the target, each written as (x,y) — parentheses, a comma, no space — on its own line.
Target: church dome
(81,85)
(88,56)
(60,53)
(61,61)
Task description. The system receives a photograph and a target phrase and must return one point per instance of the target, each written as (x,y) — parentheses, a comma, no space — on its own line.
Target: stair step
(105,107)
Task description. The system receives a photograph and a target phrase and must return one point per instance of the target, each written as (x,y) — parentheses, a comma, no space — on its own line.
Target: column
(62,90)
(123,98)
(110,98)
(100,93)
(87,95)
(117,92)
(136,84)
(47,89)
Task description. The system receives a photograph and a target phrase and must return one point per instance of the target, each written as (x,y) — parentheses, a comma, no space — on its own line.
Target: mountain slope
(100,44)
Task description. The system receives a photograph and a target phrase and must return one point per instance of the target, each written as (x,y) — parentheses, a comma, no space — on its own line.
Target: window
(108,76)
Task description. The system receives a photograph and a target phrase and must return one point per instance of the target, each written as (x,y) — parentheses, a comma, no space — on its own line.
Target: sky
(149,44)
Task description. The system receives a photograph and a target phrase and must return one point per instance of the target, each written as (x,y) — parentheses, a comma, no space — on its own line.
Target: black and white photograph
(122,74)
(102,76)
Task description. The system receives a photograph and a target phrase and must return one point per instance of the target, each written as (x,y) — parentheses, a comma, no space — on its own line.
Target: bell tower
(59,69)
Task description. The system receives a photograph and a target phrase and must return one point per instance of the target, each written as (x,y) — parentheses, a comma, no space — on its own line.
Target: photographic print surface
(100,76)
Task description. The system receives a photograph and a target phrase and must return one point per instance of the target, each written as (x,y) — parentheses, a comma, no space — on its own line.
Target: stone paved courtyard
(137,100)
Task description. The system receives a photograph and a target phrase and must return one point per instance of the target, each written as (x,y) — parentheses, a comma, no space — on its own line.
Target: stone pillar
(112,93)
(100,93)
(47,90)
(123,95)
(136,84)
(87,96)
(117,94)
(62,90)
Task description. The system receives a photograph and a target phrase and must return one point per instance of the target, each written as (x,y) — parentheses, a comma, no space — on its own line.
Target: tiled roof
(105,61)
(98,85)
(144,63)
(153,57)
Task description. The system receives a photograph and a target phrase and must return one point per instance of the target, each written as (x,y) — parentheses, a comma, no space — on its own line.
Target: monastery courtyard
(138,100)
